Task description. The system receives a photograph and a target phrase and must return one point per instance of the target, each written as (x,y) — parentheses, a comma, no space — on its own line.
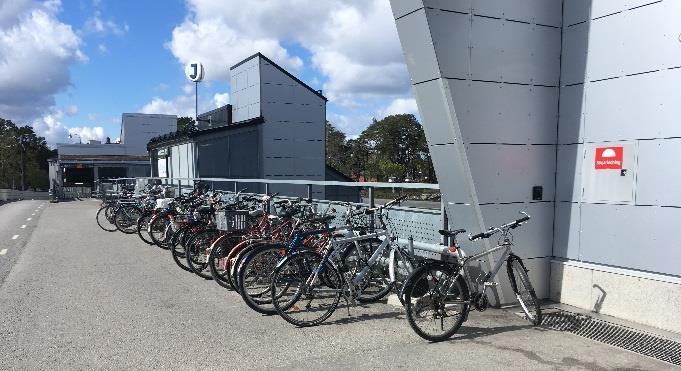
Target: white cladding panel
(609,185)
(638,237)
(647,40)
(453,30)
(574,55)
(659,172)
(402,7)
(571,117)
(418,47)
(433,110)
(569,172)
(507,173)
(505,113)
(635,107)
(245,90)
(567,230)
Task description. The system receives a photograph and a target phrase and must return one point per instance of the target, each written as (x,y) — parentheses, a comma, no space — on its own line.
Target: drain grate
(637,341)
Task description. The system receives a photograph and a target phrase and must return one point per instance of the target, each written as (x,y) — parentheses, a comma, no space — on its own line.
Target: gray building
(81,165)
(568,110)
(274,129)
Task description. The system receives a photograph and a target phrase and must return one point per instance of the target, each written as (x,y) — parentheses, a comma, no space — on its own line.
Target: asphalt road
(17,222)
(81,298)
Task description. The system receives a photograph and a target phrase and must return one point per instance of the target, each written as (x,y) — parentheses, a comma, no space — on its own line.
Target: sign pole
(196,103)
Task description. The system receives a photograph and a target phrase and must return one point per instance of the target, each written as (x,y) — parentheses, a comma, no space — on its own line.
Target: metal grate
(628,338)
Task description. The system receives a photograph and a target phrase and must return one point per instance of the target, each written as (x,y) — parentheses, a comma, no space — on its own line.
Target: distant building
(80,165)
(274,129)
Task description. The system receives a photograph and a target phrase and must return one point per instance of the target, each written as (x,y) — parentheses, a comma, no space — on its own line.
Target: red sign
(609,158)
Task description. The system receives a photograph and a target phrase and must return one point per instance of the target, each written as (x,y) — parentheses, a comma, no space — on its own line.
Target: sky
(74,66)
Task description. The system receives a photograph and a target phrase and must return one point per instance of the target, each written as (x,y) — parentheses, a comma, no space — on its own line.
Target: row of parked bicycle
(285,257)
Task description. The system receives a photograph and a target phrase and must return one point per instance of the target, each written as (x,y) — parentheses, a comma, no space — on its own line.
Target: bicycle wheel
(143,225)
(104,221)
(158,227)
(126,218)
(196,252)
(298,298)
(400,268)
(436,300)
(255,276)
(217,259)
(375,285)
(177,248)
(524,292)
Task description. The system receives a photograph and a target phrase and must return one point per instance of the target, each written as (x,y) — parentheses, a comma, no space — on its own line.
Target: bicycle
(308,277)
(438,297)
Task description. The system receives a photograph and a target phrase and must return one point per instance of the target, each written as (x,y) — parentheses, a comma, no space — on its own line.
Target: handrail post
(236,187)
(267,193)
(309,193)
(445,221)
(179,188)
(372,204)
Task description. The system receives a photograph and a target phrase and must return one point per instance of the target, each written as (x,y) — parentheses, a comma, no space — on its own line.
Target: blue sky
(73,66)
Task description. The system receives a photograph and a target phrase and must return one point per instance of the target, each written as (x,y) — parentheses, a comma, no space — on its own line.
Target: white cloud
(54,131)
(220,99)
(399,106)
(184,105)
(353,43)
(36,51)
(71,110)
(92,116)
(103,50)
(96,24)
(88,133)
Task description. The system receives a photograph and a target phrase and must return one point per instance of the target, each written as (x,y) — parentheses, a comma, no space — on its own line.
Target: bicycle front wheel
(300,298)
(436,299)
(104,220)
(524,292)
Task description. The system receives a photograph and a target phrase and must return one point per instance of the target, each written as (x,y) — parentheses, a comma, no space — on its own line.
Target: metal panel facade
(245,90)
(659,173)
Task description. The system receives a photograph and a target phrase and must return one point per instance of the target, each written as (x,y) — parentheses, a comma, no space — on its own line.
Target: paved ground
(17,222)
(82,298)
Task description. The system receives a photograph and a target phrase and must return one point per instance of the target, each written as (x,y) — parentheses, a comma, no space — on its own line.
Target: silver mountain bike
(438,297)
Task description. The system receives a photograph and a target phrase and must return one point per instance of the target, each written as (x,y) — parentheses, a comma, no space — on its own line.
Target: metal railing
(417,219)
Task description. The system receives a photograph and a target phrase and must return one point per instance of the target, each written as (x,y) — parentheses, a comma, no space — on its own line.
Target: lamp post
(22,143)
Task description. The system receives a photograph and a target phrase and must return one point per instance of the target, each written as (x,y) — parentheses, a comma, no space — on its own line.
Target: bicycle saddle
(453,233)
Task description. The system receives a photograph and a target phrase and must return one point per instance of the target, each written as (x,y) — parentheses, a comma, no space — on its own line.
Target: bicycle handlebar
(494,230)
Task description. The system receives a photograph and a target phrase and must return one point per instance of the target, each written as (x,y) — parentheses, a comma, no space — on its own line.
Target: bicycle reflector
(452,249)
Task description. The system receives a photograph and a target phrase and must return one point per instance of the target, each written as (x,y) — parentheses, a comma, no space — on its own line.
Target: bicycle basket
(232,220)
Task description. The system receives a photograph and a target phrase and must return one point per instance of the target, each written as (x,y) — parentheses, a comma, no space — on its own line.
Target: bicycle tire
(255,274)
(522,287)
(103,219)
(296,270)
(195,251)
(177,249)
(236,262)
(126,218)
(158,230)
(376,285)
(219,251)
(142,225)
(420,295)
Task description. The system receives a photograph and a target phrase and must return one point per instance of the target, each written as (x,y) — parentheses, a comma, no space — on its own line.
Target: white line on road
(23,226)
(3,251)
(15,236)
(33,214)
(28,219)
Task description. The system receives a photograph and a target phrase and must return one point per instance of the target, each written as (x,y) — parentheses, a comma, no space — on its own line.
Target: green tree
(185,123)
(337,149)
(15,141)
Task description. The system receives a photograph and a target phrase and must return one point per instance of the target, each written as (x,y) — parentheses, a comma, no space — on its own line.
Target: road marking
(3,251)
(28,219)
(15,236)
(23,226)
(33,214)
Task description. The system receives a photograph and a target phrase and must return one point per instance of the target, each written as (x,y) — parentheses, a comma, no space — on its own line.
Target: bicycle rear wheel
(104,220)
(143,225)
(158,226)
(436,300)
(126,218)
(299,301)
(522,287)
